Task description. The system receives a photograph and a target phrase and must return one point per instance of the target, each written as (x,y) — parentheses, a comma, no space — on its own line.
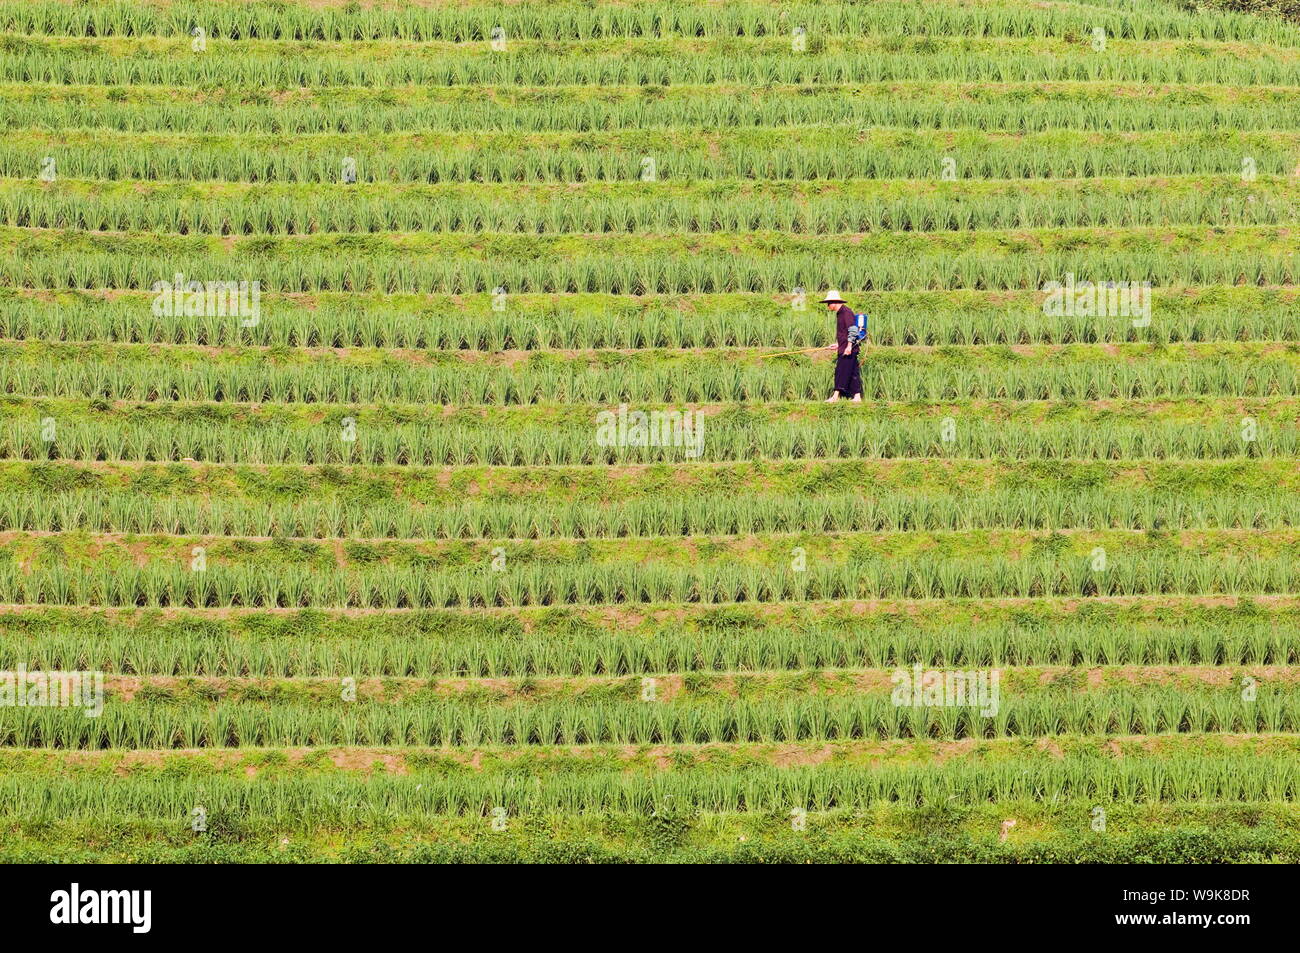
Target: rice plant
(147,726)
(933,318)
(753,62)
(648,518)
(340,801)
(820,209)
(648,20)
(795,155)
(467,645)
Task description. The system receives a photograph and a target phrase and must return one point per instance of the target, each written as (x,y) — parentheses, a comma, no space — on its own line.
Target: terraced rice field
(364,583)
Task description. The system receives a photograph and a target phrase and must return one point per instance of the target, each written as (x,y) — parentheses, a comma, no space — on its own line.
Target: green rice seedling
(801,154)
(372,321)
(570,21)
(1219,200)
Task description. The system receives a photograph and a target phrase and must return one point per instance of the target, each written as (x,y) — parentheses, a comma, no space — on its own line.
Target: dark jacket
(844,319)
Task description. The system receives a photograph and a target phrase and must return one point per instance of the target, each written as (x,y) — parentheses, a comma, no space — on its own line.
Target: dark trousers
(848,375)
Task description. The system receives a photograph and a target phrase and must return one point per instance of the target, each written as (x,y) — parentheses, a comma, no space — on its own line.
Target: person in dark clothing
(848,375)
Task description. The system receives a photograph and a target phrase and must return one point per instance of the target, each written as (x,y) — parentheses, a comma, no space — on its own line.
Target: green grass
(1076,105)
(555,434)
(751,61)
(585,641)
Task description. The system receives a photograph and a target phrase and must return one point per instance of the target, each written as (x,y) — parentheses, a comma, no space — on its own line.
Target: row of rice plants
(799,155)
(338,801)
(675,379)
(601,321)
(196,645)
(569,21)
(638,265)
(149,437)
(392,587)
(752,63)
(716,514)
(142,725)
(283,210)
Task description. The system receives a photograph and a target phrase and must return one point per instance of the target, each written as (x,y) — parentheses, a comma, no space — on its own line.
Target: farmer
(848,375)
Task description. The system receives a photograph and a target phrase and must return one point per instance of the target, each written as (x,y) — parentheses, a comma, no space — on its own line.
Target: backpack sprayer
(858,329)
